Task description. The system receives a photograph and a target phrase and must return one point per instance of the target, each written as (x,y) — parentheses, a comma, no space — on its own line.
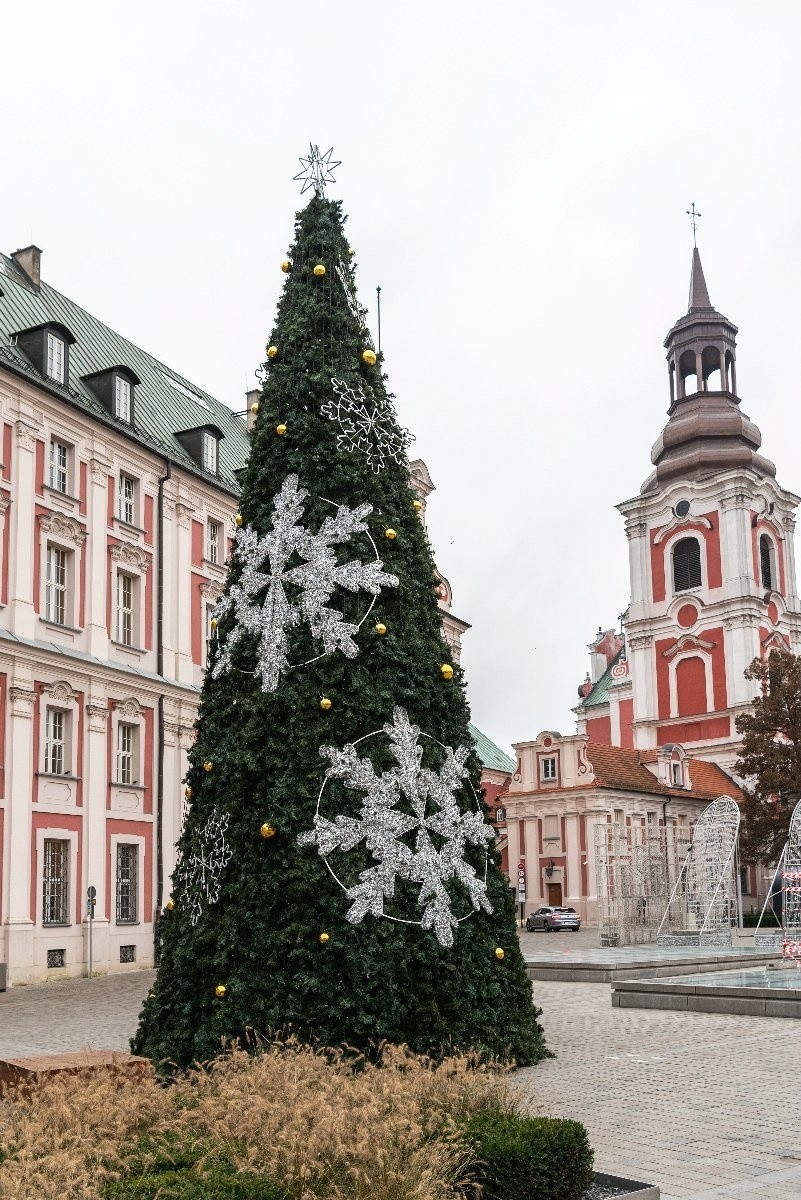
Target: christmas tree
(336,875)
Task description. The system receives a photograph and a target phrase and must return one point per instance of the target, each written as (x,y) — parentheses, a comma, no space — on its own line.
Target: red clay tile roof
(616,767)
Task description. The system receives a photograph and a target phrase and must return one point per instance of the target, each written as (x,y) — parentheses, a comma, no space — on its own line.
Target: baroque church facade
(713,586)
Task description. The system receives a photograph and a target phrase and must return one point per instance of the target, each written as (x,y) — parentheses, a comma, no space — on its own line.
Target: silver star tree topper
(317,170)
(430,813)
(198,874)
(271,597)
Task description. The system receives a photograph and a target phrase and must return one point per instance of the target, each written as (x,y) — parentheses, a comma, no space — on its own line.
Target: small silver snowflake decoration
(354,308)
(433,821)
(271,597)
(317,170)
(199,872)
(366,426)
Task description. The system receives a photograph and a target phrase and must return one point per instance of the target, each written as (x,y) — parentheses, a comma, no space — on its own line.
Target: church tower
(711,557)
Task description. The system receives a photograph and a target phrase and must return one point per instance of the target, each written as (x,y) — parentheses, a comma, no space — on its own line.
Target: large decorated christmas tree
(336,875)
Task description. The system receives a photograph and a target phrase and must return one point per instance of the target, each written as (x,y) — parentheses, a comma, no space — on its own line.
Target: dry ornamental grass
(325,1125)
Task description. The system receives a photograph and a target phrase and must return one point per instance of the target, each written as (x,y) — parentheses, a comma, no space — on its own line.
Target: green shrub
(769,920)
(530,1158)
(193,1185)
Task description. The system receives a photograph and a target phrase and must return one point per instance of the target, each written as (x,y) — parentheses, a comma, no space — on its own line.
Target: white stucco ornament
(412,825)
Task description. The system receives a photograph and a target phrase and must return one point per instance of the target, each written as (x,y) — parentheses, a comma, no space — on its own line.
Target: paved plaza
(708,1107)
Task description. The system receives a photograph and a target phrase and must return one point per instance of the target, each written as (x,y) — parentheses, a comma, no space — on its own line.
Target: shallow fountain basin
(753,991)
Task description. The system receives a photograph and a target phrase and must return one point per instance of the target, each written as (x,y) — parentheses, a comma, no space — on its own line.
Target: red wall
(626,718)
(711,539)
(718,671)
(691,687)
(599,729)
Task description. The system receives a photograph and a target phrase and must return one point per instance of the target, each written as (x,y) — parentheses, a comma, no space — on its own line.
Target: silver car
(553,919)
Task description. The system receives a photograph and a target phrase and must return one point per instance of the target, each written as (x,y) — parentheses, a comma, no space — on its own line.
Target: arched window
(767,568)
(686,564)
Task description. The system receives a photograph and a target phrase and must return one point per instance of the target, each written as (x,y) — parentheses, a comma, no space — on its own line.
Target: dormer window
(202,445)
(115,389)
(209,452)
(47,346)
(122,399)
(56,357)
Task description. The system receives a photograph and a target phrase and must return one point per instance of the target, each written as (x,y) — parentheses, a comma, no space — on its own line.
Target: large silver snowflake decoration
(199,872)
(366,426)
(273,596)
(412,825)
(317,170)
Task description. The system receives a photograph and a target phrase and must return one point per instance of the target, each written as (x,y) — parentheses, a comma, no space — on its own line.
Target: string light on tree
(203,860)
(365,426)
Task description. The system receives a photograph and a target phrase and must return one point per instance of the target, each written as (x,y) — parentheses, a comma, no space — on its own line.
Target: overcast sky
(516,176)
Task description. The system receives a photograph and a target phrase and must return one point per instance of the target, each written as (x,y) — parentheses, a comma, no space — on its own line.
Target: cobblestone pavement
(706,1106)
(72,1014)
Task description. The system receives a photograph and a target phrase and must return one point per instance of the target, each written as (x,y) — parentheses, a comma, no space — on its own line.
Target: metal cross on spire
(317,170)
(693,214)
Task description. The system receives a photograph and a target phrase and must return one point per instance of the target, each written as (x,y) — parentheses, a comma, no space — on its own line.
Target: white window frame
(214,541)
(55,357)
(65,856)
(56,833)
(59,575)
(129,839)
(703,586)
(128,502)
(57,741)
(127,754)
(545,775)
(773,555)
(59,474)
(126,624)
(130,845)
(209,454)
(122,399)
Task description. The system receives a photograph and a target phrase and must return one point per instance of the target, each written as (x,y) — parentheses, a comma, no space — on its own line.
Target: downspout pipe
(160,672)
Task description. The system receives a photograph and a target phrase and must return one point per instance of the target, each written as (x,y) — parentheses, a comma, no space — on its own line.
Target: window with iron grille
(125,608)
(56,585)
(213,541)
(210,453)
(56,958)
(127,511)
(127,954)
(122,399)
(686,564)
(766,562)
(59,467)
(56,759)
(55,882)
(500,814)
(55,358)
(126,753)
(127,880)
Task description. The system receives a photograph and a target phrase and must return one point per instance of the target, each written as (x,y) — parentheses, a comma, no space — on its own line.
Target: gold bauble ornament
(213,622)
(417,505)
(286,266)
(500,953)
(208,765)
(324,938)
(280,430)
(151,995)
(220,990)
(325,704)
(238,520)
(368,356)
(267,830)
(272,351)
(254,408)
(188,793)
(446,670)
(170,905)
(380,628)
(390,535)
(319,270)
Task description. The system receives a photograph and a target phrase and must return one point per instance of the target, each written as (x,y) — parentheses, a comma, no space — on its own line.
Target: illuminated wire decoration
(412,825)
(703,903)
(317,170)
(791,889)
(199,873)
(271,597)
(366,426)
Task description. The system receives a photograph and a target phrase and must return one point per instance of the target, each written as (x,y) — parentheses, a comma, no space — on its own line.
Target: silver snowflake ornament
(317,170)
(423,841)
(271,596)
(198,874)
(366,426)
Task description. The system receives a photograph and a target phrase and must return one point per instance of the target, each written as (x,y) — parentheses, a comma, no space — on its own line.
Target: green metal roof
(491,756)
(600,692)
(165,403)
